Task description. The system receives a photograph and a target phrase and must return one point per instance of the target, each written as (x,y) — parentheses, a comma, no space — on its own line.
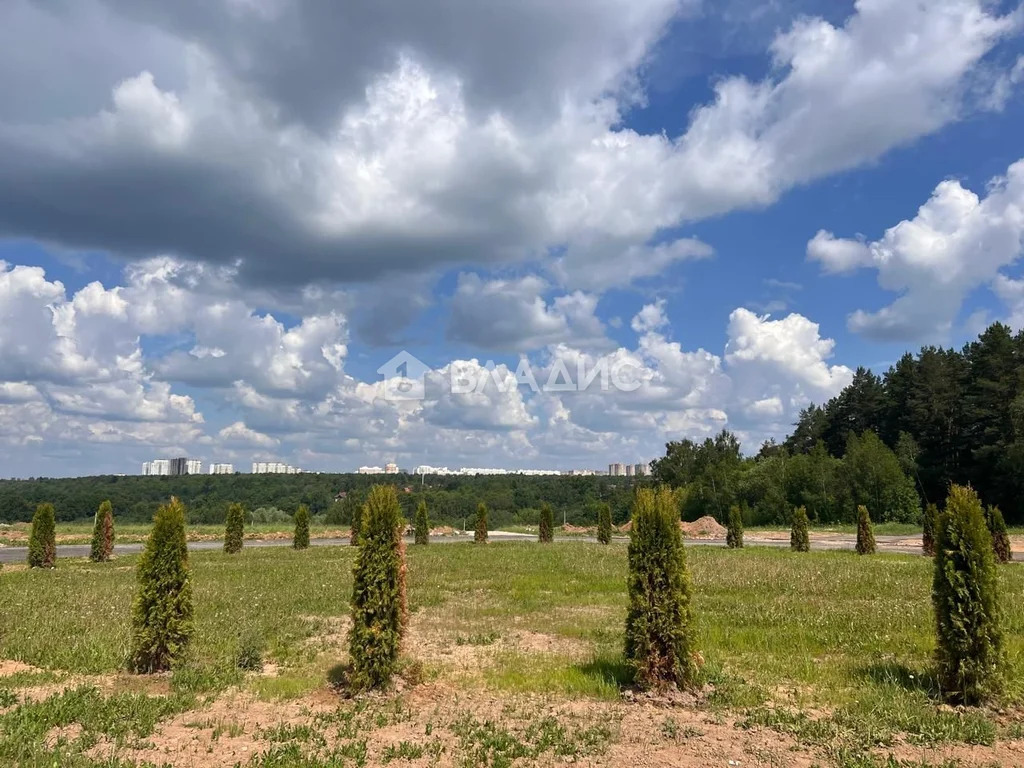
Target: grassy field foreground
(514,659)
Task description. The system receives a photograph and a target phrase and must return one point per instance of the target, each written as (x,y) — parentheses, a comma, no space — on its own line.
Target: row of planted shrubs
(964,538)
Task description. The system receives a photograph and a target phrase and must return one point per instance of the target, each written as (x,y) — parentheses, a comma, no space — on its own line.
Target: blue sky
(739,202)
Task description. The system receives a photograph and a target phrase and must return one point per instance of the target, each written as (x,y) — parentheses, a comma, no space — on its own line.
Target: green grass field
(515,648)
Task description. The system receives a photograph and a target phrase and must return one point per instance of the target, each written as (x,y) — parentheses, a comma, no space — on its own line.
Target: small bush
(865,533)
(102,546)
(480,531)
(378,592)
(931,513)
(604,523)
(301,538)
(660,638)
(249,654)
(546,533)
(42,541)
(162,613)
(1000,538)
(234,530)
(734,531)
(799,539)
(966,602)
(422,524)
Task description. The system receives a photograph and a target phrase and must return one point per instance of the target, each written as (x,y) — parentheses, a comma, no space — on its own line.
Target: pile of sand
(703,528)
(443,530)
(578,529)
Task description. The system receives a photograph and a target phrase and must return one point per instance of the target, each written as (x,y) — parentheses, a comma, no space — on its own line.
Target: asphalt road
(887,543)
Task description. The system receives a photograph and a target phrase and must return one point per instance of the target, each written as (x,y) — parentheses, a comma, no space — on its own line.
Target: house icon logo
(404,376)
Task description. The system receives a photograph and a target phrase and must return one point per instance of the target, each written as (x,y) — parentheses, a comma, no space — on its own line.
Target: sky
(584,228)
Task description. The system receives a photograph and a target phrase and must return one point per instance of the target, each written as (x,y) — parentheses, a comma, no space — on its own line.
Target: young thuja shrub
(931,514)
(865,532)
(660,636)
(301,537)
(162,612)
(480,531)
(966,602)
(734,531)
(1000,538)
(799,539)
(604,523)
(547,524)
(378,592)
(355,532)
(422,524)
(102,546)
(42,541)
(234,529)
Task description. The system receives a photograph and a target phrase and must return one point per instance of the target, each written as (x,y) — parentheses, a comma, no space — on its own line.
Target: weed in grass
(478,638)
(403,750)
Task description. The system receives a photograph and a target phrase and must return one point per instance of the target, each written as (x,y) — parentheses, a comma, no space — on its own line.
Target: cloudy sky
(220,218)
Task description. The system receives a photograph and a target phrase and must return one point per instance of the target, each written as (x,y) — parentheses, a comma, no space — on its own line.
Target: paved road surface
(885,543)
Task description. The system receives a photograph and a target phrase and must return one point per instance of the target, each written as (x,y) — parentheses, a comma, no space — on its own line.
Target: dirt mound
(578,529)
(442,530)
(703,528)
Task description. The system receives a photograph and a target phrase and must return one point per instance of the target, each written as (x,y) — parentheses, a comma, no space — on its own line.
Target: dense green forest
(511,499)
(890,442)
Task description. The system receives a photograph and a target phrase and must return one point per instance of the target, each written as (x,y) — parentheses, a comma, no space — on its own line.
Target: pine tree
(162,613)
(604,523)
(734,532)
(865,533)
(422,524)
(966,601)
(799,539)
(42,541)
(102,534)
(378,592)
(547,524)
(931,514)
(235,529)
(1000,538)
(480,533)
(301,539)
(660,638)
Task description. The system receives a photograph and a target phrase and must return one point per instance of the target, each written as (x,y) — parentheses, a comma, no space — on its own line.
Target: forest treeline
(511,499)
(891,442)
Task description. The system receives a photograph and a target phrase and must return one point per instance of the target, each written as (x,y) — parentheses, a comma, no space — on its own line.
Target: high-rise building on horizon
(274,468)
(173,467)
(222,469)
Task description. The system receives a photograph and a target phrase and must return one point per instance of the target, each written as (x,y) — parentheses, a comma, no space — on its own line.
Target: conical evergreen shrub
(480,531)
(42,541)
(102,546)
(799,539)
(660,637)
(162,613)
(604,523)
(355,533)
(931,514)
(234,530)
(966,602)
(378,592)
(734,531)
(547,524)
(422,524)
(865,532)
(1000,538)
(301,538)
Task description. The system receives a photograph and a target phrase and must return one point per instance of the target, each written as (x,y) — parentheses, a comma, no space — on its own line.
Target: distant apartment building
(173,467)
(391,468)
(222,469)
(370,471)
(642,470)
(617,470)
(629,470)
(274,468)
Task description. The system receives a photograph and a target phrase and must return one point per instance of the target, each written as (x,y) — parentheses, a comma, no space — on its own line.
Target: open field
(514,659)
